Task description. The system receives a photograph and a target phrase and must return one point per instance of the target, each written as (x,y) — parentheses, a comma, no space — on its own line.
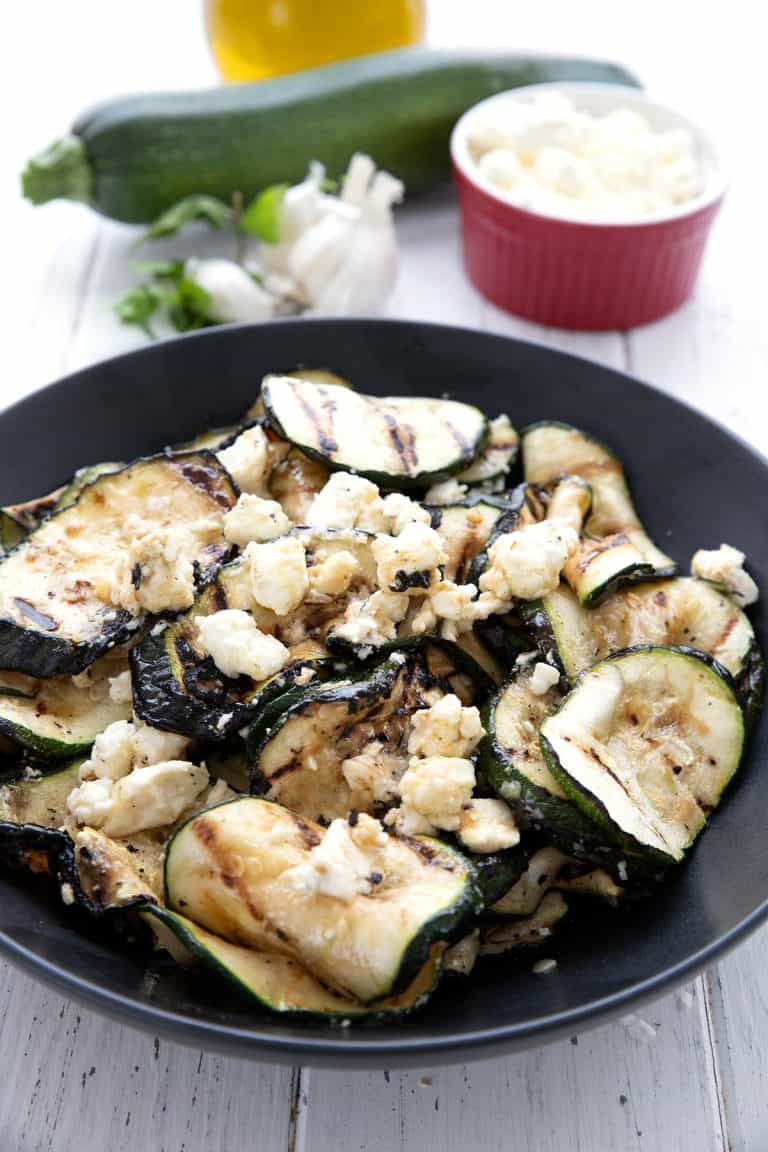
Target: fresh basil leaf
(139,306)
(160,269)
(262,216)
(190,307)
(208,208)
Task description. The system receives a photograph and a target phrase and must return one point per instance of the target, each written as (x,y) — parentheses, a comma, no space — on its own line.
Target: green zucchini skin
(12,532)
(248,973)
(497,872)
(131,158)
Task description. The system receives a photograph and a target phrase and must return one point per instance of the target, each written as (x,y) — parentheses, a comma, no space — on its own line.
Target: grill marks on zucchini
(645,744)
(683,612)
(56,614)
(465,530)
(395,441)
(615,548)
(299,747)
(227,869)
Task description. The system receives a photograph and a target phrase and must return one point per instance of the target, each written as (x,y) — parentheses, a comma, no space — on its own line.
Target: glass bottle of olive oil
(254,39)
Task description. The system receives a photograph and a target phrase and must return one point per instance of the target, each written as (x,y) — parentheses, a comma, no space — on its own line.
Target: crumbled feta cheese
(543,677)
(454,602)
(408,822)
(400,511)
(148,797)
(526,564)
(548,155)
(445,729)
(373,621)
(342,864)
(254,518)
(247,459)
(447,492)
(112,753)
(148,578)
(544,967)
(425,619)
(155,745)
(726,566)
(487,826)
(67,893)
(409,560)
(348,501)
(120,690)
(278,573)
(238,647)
(334,575)
(438,788)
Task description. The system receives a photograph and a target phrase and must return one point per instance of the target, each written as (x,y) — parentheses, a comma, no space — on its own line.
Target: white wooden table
(72,1080)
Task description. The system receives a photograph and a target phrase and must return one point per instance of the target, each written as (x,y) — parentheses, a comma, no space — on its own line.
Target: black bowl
(695,484)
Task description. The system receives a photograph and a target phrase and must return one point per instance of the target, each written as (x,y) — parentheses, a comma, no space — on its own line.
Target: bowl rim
(359,1049)
(713,193)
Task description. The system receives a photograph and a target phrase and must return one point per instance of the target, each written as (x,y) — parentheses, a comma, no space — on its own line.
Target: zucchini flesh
(277,982)
(56,615)
(395,441)
(299,745)
(497,458)
(681,612)
(80,480)
(646,743)
(549,868)
(294,482)
(12,531)
(226,869)
(514,765)
(57,718)
(465,530)
(178,686)
(527,931)
(615,548)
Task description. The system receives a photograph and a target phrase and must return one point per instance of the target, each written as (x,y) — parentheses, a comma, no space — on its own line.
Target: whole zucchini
(132,157)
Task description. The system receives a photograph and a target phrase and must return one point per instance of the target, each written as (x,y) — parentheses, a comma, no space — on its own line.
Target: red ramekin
(570,274)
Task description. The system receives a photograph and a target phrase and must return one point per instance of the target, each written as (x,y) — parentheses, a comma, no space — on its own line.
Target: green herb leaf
(262,216)
(160,269)
(208,208)
(139,306)
(190,307)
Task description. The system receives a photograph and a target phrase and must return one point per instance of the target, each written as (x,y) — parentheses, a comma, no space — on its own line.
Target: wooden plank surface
(697,1082)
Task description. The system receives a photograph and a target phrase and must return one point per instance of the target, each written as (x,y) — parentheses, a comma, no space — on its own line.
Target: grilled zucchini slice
(55,610)
(58,718)
(277,982)
(645,744)
(297,746)
(615,548)
(497,458)
(81,479)
(226,869)
(681,612)
(395,441)
(294,482)
(12,531)
(526,931)
(513,763)
(465,530)
(178,686)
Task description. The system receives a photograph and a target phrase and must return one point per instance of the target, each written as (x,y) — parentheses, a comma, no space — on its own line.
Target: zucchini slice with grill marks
(57,718)
(294,482)
(81,479)
(680,612)
(278,982)
(497,458)
(395,441)
(513,763)
(178,686)
(342,745)
(615,548)
(465,529)
(526,931)
(228,869)
(646,743)
(549,868)
(33,805)
(56,614)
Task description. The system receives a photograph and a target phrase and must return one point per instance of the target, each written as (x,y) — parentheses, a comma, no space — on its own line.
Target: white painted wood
(75,1081)
(601,1091)
(699,1082)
